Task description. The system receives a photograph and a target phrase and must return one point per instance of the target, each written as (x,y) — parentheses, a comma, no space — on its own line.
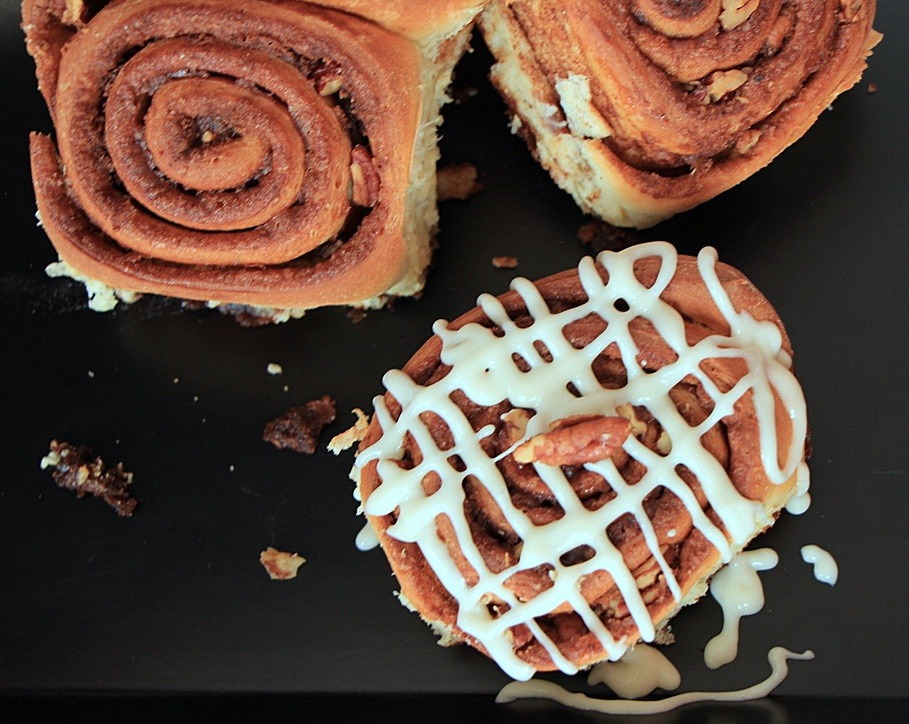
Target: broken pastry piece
(280,565)
(642,109)
(554,474)
(78,468)
(267,154)
(299,428)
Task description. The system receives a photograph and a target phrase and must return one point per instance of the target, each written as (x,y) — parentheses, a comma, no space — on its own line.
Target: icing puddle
(643,669)
(779,668)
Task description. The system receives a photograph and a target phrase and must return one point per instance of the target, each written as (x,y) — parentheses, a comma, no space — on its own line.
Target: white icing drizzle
(738,590)
(366,539)
(641,670)
(483,367)
(539,689)
(825,568)
(801,499)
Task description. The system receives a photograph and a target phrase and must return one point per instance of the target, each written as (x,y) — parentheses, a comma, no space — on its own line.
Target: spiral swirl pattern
(644,108)
(254,153)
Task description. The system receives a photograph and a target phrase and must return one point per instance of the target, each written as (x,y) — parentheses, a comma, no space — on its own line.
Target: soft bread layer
(634,142)
(396,85)
(424,475)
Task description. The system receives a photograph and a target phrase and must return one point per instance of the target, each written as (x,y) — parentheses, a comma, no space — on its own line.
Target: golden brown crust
(734,443)
(259,153)
(667,109)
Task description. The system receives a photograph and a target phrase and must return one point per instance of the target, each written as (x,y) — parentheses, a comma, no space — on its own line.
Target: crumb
(356,314)
(504,262)
(458,181)
(274,368)
(299,428)
(602,236)
(350,437)
(280,565)
(461,92)
(872,87)
(76,467)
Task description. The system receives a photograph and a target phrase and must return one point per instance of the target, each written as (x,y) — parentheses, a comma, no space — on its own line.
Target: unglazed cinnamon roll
(272,153)
(558,471)
(644,108)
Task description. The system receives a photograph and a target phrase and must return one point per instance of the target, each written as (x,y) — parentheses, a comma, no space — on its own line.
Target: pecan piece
(364,177)
(575,441)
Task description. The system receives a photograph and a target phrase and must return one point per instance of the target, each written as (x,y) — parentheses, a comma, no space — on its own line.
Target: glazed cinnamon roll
(272,153)
(644,108)
(554,474)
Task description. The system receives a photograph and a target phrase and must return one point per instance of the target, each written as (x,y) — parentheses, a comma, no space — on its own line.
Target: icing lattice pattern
(483,367)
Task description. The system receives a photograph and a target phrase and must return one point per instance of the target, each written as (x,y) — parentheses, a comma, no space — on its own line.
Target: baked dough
(273,153)
(554,474)
(644,108)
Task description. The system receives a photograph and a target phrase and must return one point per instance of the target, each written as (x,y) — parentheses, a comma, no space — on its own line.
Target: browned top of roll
(688,98)
(254,152)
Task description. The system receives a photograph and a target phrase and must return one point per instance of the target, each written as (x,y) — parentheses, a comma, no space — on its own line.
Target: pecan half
(575,441)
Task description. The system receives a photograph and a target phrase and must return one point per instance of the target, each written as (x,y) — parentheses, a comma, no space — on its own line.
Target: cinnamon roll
(644,108)
(554,474)
(272,153)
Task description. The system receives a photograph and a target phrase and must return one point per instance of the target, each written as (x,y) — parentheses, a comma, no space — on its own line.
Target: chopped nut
(74,12)
(575,441)
(781,27)
(299,428)
(504,262)
(280,565)
(747,141)
(328,79)
(736,12)
(351,436)
(457,181)
(850,9)
(626,410)
(724,82)
(364,177)
(516,423)
(664,443)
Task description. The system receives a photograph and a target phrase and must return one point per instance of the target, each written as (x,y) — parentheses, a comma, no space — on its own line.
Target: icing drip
(538,689)
(738,590)
(801,500)
(825,568)
(366,538)
(641,670)
(482,366)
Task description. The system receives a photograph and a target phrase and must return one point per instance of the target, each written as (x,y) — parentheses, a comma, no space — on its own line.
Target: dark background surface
(174,601)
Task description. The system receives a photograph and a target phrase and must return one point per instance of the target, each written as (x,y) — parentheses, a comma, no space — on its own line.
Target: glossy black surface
(174,600)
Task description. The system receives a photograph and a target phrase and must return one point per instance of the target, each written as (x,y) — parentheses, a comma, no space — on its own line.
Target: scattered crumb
(299,428)
(504,262)
(350,437)
(76,467)
(91,373)
(602,236)
(872,87)
(280,565)
(664,636)
(461,92)
(274,368)
(356,314)
(176,380)
(458,181)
